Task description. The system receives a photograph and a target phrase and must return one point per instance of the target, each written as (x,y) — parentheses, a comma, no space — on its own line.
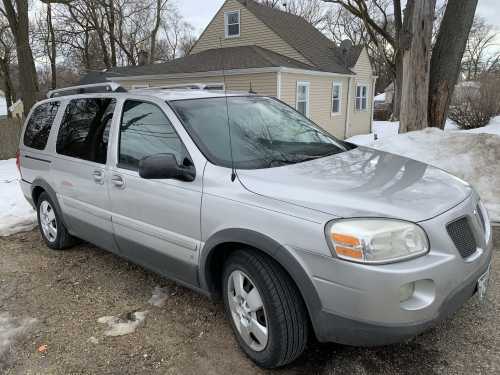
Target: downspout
(348,108)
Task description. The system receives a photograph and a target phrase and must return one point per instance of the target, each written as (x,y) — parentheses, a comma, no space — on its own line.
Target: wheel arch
(38,186)
(220,244)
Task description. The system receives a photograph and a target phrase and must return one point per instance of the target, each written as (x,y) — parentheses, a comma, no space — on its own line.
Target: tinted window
(38,128)
(264,132)
(84,131)
(145,130)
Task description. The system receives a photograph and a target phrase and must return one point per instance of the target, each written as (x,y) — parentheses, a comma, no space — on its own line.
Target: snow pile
(472,157)
(381,129)
(159,296)
(120,327)
(16,215)
(10,329)
(380,97)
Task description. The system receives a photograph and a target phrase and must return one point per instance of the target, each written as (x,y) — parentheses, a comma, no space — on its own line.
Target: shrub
(475,103)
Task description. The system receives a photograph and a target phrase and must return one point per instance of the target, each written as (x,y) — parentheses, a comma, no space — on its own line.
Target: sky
(200,12)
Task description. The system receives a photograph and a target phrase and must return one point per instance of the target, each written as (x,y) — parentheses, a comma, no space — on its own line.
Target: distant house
(3,105)
(274,53)
(17,109)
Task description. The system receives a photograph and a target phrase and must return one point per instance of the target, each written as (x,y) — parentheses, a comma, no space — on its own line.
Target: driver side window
(144,131)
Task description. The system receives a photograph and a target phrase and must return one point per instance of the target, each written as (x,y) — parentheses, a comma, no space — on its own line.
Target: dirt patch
(67,292)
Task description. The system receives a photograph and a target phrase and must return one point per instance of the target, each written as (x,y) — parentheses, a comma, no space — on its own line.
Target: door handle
(98,176)
(117,180)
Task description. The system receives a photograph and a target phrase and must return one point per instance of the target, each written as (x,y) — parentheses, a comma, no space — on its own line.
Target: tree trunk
(447,56)
(154,32)
(19,25)
(7,83)
(398,86)
(51,46)
(416,65)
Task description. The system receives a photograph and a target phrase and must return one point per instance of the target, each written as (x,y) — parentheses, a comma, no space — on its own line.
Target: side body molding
(273,249)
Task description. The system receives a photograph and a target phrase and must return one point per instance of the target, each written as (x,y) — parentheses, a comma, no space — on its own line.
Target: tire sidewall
(267,355)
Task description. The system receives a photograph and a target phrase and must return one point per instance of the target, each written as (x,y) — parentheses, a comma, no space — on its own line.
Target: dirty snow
(119,326)
(10,329)
(473,157)
(16,215)
(159,296)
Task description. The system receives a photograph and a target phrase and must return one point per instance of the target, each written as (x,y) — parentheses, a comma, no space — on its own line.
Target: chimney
(142,57)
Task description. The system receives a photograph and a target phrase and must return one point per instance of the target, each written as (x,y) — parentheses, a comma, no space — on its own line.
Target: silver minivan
(240,197)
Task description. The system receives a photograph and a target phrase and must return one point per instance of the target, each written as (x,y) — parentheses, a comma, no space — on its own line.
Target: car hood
(361,182)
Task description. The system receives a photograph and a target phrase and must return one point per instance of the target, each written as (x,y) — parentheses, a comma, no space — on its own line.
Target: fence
(10,130)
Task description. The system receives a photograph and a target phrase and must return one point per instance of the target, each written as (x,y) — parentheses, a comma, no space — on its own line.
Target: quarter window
(39,125)
(84,131)
(336,97)
(302,104)
(144,131)
(361,97)
(232,24)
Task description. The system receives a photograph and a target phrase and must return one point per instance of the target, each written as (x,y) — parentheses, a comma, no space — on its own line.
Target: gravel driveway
(50,303)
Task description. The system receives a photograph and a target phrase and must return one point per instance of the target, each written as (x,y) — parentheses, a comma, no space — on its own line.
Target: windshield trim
(213,159)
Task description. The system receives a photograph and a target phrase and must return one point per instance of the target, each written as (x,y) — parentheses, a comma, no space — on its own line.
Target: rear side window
(84,131)
(144,131)
(39,125)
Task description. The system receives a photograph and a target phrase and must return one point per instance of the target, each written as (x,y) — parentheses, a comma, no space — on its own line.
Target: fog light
(406,291)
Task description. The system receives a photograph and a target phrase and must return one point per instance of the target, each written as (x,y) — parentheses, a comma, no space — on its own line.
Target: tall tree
(416,64)
(16,12)
(6,59)
(446,57)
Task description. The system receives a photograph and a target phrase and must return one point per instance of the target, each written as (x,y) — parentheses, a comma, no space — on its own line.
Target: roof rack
(86,89)
(187,86)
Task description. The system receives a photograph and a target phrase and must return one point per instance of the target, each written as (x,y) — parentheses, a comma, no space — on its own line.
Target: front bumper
(360,304)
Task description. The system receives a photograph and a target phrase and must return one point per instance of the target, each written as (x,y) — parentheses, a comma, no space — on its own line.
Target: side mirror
(165,166)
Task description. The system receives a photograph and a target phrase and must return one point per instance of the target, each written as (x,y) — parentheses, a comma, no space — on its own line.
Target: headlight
(376,240)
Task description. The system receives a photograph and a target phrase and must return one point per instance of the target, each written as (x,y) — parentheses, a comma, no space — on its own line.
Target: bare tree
(16,13)
(480,55)
(446,57)
(7,57)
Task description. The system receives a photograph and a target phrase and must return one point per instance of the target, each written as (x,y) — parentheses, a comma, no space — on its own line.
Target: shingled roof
(306,39)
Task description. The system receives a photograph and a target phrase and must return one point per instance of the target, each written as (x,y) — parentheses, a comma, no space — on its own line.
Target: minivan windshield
(265,133)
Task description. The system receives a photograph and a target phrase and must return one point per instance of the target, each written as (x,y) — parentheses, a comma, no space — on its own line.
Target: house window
(336,97)
(302,104)
(232,24)
(361,97)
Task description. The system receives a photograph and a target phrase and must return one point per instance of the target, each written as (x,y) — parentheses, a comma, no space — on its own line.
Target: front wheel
(266,311)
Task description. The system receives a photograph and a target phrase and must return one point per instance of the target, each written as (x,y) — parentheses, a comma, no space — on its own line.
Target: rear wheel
(265,309)
(51,226)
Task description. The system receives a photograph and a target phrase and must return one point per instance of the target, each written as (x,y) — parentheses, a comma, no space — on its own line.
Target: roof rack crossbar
(186,86)
(86,89)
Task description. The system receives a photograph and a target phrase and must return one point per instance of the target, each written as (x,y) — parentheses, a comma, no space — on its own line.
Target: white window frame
(226,24)
(339,85)
(307,101)
(360,97)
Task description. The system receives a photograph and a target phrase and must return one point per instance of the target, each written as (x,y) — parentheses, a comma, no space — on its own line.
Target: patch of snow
(93,340)
(380,97)
(16,214)
(470,156)
(159,296)
(10,329)
(380,129)
(120,327)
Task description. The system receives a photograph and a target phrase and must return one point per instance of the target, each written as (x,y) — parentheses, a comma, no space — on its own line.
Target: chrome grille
(462,236)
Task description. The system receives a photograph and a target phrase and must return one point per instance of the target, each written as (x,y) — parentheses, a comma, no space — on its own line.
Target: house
(3,106)
(17,109)
(251,47)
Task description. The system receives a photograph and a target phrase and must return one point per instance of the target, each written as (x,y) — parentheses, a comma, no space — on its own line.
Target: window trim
(356,97)
(308,85)
(119,165)
(340,86)
(226,24)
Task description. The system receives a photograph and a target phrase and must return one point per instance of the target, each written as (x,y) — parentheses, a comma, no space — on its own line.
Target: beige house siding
(320,99)
(252,32)
(262,83)
(360,121)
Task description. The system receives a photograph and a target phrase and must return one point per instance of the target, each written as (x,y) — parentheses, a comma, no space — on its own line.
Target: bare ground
(55,298)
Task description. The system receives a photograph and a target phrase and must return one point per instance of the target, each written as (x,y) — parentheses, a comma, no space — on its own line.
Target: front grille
(461,234)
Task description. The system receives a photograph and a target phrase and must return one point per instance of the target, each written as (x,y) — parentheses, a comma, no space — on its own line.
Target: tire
(283,314)
(53,231)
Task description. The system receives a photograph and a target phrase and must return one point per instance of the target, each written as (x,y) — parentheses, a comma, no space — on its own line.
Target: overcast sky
(199,13)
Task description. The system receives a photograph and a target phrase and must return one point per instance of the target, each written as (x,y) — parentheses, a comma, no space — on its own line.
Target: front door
(156,222)
(79,169)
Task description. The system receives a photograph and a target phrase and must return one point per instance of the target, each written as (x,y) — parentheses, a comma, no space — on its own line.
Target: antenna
(233,170)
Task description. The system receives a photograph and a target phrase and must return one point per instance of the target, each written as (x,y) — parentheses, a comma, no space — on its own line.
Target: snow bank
(471,156)
(10,329)
(16,215)
(120,327)
(159,297)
